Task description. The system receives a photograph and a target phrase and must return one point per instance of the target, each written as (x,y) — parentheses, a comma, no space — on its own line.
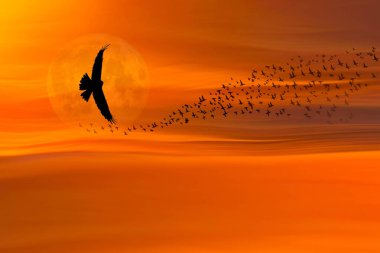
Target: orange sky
(236,185)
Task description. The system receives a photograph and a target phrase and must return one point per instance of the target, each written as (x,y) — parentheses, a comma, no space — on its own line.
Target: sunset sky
(248,184)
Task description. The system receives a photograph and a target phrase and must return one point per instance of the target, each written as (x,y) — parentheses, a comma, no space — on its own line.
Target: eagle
(94,86)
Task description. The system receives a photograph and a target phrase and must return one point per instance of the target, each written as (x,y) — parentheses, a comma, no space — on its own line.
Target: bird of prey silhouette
(94,86)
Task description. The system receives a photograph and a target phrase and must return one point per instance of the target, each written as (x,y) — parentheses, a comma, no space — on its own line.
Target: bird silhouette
(94,86)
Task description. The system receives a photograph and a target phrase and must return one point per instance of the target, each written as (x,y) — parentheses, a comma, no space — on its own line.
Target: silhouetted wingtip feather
(108,116)
(104,48)
(112,121)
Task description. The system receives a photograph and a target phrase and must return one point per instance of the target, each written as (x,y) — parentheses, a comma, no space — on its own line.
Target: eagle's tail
(85,84)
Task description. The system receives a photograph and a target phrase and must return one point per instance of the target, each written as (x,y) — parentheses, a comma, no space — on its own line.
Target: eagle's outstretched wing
(97,68)
(101,102)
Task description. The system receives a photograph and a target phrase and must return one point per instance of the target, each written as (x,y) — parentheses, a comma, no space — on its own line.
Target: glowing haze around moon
(124,74)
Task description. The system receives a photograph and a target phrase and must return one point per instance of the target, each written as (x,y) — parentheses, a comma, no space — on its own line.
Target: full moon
(124,74)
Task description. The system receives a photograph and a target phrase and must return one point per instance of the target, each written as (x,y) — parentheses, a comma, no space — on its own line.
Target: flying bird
(94,86)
